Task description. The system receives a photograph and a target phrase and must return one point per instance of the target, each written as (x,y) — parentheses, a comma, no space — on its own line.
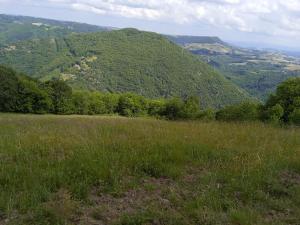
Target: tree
(8,89)
(61,95)
(97,104)
(31,98)
(132,105)
(174,109)
(206,115)
(294,117)
(156,107)
(111,102)
(273,114)
(246,111)
(80,102)
(288,96)
(191,107)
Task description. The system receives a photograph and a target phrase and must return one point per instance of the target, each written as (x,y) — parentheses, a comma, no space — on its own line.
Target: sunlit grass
(244,173)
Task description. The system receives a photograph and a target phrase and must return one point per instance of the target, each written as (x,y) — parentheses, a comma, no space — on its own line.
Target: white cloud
(270,17)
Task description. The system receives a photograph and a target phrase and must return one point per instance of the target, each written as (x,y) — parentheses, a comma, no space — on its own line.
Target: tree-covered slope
(258,72)
(123,61)
(20,28)
(183,39)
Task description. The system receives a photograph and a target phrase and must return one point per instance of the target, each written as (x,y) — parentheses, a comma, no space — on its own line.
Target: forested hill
(121,61)
(183,39)
(20,28)
(256,71)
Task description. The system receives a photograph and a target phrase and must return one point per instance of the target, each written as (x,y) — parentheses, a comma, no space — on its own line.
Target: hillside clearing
(113,170)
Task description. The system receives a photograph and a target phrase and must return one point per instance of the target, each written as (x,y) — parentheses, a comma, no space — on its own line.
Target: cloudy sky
(261,23)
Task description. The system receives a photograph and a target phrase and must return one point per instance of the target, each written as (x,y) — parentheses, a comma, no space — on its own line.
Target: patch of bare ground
(289,178)
(152,193)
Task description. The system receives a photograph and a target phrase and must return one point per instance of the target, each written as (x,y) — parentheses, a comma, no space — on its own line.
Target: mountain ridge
(125,60)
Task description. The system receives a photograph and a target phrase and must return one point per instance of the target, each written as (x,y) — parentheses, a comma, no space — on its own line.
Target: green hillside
(257,72)
(19,28)
(123,61)
(182,39)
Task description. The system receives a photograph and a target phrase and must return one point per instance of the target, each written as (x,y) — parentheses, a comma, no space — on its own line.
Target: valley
(256,71)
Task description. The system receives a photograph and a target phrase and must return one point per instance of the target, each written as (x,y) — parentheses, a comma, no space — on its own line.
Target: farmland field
(114,170)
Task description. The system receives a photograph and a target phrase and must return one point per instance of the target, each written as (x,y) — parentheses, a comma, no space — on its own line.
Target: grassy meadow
(123,171)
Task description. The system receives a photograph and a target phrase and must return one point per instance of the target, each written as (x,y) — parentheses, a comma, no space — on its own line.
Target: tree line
(21,94)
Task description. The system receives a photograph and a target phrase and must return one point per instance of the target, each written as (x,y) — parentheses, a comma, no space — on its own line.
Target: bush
(31,98)
(174,109)
(80,102)
(247,111)
(156,107)
(8,90)
(273,114)
(132,105)
(61,95)
(206,115)
(288,96)
(191,107)
(97,104)
(294,117)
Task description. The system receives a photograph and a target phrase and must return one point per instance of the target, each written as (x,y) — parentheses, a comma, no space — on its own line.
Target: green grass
(113,170)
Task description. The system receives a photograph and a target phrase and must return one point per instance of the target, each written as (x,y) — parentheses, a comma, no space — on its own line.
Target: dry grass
(200,173)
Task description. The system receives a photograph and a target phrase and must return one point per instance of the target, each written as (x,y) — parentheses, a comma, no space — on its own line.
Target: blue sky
(261,23)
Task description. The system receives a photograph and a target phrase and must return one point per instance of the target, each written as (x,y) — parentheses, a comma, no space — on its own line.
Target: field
(113,170)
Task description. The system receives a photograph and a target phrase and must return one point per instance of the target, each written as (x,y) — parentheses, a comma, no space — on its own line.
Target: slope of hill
(19,28)
(121,61)
(182,40)
(258,72)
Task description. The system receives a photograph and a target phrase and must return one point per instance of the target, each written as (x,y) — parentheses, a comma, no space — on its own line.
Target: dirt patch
(289,178)
(152,193)
(159,194)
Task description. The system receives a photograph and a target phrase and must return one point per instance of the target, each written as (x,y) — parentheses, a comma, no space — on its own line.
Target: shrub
(61,95)
(156,107)
(191,107)
(132,105)
(206,115)
(288,96)
(273,114)
(174,109)
(294,117)
(8,90)
(247,111)
(80,102)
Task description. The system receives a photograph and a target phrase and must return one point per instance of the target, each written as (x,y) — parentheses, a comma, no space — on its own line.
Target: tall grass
(248,172)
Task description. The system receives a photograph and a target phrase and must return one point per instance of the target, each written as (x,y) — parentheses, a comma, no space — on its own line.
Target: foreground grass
(106,170)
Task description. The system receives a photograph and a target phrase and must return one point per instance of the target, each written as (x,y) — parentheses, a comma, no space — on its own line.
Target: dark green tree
(294,117)
(97,104)
(247,111)
(287,96)
(132,105)
(174,109)
(156,108)
(273,114)
(61,95)
(32,98)
(80,102)
(9,84)
(191,107)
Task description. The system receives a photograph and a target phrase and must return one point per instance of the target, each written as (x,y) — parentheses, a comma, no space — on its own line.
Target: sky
(252,23)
